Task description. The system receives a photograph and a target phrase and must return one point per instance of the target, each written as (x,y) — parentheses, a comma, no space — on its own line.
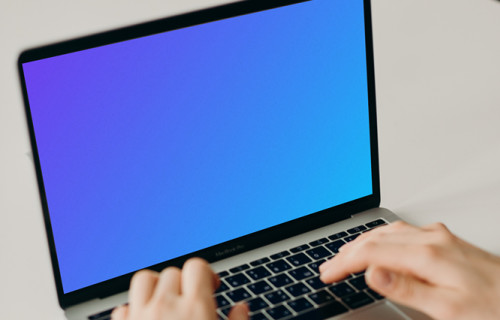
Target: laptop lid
(205,134)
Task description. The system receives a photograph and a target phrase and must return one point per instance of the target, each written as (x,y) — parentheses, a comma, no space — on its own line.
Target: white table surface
(438,90)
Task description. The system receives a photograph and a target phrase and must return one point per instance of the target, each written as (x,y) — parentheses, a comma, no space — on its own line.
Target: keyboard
(286,285)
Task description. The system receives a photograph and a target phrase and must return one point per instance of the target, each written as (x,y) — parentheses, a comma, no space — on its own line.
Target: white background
(438,91)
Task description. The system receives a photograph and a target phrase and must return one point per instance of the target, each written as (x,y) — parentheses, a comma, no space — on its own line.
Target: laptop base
(378,310)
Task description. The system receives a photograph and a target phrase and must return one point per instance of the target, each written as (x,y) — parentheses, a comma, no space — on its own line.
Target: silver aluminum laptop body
(82,298)
(384,309)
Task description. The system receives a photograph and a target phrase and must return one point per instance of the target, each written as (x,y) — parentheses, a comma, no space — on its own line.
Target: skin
(428,269)
(175,294)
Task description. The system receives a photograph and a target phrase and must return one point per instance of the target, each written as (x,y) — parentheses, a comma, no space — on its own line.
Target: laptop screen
(163,145)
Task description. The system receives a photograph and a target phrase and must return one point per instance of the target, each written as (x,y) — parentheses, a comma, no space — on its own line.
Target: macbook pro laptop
(244,134)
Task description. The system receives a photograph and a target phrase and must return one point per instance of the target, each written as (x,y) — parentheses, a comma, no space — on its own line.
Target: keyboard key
(318,253)
(279,312)
(106,314)
(374,294)
(321,297)
(239,268)
(358,283)
(223,274)
(357,300)
(335,245)
(279,255)
(259,287)
(278,266)
(258,316)
(221,301)
(315,265)
(301,273)
(105,317)
(325,312)
(258,273)
(350,238)
(298,259)
(277,296)
(318,242)
(223,287)
(299,248)
(357,229)
(238,295)
(237,280)
(376,223)
(259,262)
(341,290)
(300,305)
(225,311)
(338,235)
(298,289)
(280,280)
(257,304)
(316,283)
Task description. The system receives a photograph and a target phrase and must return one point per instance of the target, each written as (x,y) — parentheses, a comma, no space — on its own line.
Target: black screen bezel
(228,248)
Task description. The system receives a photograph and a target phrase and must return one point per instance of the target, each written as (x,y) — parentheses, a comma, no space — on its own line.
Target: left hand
(175,294)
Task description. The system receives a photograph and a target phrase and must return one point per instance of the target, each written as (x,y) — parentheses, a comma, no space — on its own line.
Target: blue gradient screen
(159,146)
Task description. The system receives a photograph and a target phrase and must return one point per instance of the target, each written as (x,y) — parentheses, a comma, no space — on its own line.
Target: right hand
(428,269)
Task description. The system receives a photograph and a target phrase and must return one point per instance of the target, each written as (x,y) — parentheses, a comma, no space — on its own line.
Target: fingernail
(382,278)
(322,279)
(240,311)
(322,266)
(324,275)
(345,246)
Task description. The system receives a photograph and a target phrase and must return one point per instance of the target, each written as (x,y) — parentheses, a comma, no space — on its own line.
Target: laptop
(244,134)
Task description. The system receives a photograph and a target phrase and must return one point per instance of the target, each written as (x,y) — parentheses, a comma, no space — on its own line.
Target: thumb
(239,312)
(405,289)
(120,313)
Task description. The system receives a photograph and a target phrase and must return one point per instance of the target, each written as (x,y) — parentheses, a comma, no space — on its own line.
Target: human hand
(175,295)
(428,269)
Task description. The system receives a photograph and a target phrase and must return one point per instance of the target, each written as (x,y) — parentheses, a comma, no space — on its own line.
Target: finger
(169,283)
(120,313)
(357,258)
(438,226)
(398,227)
(198,278)
(398,256)
(239,312)
(380,236)
(408,290)
(398,232)
(142,287)
(216,281)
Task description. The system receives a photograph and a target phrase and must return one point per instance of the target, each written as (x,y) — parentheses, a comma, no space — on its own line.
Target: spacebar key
(330,310)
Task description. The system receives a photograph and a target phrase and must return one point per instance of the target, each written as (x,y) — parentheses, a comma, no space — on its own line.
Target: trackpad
(380,311)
